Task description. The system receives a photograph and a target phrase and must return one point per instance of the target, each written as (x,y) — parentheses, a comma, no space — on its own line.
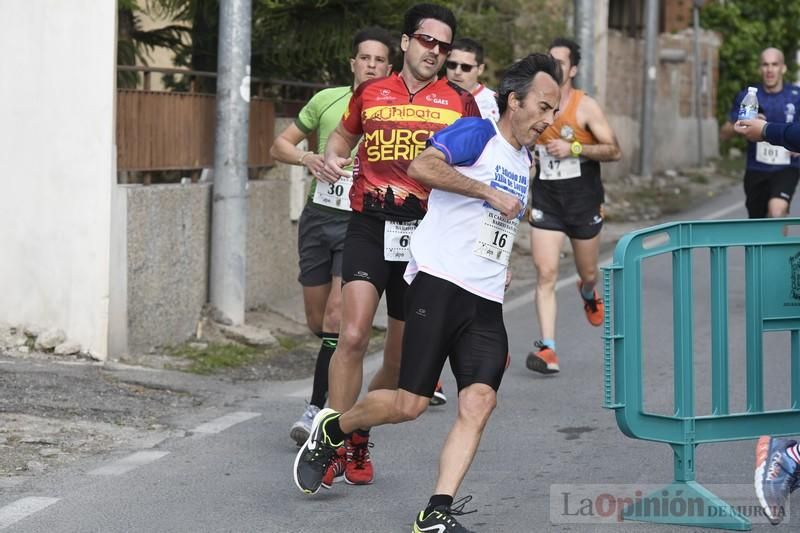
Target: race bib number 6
(496,237)
(771,155)
(557,169)
(397,240)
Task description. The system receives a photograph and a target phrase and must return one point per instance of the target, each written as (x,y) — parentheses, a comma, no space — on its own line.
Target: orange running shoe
(593,308)
(543,360)
(358,469)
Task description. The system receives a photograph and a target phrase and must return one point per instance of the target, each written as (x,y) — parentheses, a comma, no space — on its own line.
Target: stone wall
(168,243)
(168,246)
(675,125)
(271,241)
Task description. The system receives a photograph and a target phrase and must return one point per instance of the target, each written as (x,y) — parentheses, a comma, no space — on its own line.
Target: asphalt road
(548,436)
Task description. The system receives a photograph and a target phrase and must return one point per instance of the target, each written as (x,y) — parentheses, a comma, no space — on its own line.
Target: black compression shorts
(443,319)
(364,260)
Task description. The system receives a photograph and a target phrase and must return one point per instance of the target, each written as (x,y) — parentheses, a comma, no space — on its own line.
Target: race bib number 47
(496,237)
(553,168)
(771,155)
(397,240)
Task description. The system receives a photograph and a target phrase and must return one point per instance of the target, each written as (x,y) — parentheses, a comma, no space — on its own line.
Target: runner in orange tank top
(566,201)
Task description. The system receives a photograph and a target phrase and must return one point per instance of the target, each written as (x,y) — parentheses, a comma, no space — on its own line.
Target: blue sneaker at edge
(775,476)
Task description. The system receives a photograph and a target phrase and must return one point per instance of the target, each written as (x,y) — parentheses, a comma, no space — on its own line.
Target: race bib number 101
(771,155)
(397,240)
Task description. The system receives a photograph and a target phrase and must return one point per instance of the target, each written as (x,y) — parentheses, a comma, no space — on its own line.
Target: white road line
(128,463)
(22,508)
(224,422)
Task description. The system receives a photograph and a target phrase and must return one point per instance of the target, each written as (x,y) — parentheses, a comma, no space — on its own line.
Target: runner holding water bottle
(772,171)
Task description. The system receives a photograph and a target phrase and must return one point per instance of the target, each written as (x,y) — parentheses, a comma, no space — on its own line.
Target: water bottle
(748,109)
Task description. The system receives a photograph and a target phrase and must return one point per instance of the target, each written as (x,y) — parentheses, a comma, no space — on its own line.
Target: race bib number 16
(496,237)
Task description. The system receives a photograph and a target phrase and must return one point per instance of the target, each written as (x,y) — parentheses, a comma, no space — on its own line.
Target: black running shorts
(363,260)
(443,319)
(571,206)
(761,187)
(320,241)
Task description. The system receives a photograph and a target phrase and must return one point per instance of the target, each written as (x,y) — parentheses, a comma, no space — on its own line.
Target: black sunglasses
(453,65)
(430,42)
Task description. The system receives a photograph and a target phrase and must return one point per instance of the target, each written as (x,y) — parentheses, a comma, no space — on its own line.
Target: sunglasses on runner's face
(465,67)
(430,42)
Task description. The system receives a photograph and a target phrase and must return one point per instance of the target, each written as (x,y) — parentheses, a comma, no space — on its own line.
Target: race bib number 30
(496,237)
(771,155)
(557,169)
(335,195)
(397,240)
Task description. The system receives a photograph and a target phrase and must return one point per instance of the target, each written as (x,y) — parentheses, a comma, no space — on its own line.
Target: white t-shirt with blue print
(444,243)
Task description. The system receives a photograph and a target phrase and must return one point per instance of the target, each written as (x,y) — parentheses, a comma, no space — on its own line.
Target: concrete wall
(271,241)
(57,139)
(168,240)
(167,262)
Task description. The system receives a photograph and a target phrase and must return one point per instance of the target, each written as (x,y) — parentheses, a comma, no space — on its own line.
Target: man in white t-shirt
(464,65)
(478,171)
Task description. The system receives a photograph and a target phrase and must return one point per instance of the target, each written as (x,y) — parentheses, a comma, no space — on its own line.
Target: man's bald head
(772,68)
(772,54)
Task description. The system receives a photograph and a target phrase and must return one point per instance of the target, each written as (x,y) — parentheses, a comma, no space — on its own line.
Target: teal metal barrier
(772,303)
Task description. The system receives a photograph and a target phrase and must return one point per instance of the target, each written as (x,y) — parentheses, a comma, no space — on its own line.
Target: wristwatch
(576,148)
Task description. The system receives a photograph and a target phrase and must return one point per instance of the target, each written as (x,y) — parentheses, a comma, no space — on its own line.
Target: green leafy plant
(747,27)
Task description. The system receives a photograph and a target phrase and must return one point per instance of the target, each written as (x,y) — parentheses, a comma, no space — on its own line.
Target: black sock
(319,391)
(438,500)
(334,430)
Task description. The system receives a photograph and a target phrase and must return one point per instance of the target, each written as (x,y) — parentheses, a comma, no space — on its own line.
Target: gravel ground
(54,410)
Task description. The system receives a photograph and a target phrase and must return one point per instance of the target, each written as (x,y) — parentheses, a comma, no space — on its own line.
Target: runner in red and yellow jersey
(395,123)
(395,116)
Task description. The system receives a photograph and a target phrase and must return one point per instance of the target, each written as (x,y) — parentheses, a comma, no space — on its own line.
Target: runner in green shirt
(323,223)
